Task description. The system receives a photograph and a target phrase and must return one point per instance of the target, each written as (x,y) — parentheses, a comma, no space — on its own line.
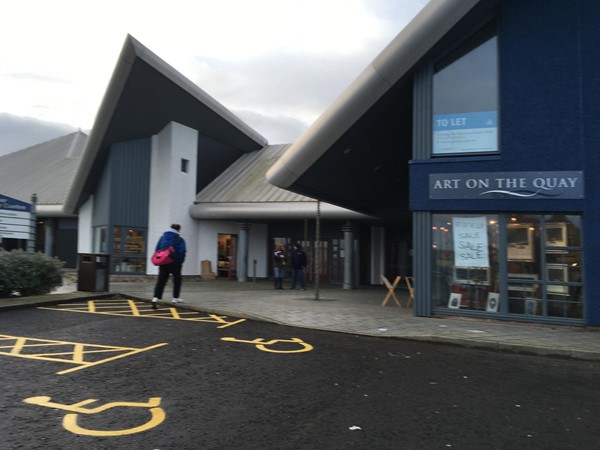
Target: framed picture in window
(530,306)
(557,273)
(454,301)
(556,234)
(493,301)
(519,239)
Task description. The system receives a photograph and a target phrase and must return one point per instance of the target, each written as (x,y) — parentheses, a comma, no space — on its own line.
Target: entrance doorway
(227,255)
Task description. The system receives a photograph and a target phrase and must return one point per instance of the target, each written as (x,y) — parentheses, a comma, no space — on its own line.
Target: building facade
(495,107)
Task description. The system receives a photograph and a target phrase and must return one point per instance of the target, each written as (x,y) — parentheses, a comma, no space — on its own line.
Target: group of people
(172,238)
(298,262)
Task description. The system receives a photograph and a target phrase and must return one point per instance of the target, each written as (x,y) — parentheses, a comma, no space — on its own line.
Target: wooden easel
(411,292)
(390,287)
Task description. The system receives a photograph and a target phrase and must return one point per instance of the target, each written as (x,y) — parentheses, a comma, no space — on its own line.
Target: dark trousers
(163,276)
(298,276)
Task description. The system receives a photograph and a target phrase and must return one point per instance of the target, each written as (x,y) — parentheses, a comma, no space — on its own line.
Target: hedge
(26,274)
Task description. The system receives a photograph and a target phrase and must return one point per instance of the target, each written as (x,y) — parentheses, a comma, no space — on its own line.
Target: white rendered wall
(208,235)
(85,238)
(172,191)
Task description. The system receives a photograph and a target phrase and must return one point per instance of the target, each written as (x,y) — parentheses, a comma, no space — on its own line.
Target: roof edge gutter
(271,211)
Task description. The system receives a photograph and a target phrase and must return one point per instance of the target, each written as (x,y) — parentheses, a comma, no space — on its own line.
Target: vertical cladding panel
(422,112)
(130,169)
(422,262)
(101,200)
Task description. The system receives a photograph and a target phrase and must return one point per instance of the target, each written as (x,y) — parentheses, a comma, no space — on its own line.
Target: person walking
(299,262)
(171,237)
(279,264)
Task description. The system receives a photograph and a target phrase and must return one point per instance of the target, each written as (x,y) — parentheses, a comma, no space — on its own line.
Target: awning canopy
(356,154)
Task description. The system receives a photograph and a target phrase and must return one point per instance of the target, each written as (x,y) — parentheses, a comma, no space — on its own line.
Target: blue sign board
(502,185)
(15,218)
(13,204)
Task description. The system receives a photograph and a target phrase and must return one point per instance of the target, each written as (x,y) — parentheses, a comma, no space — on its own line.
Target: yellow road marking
(70,420)
(76,356)
(128,308)
(263,345)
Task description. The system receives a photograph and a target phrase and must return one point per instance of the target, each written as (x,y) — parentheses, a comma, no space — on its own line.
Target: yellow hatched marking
(128,308)
(134,310)
(75,354)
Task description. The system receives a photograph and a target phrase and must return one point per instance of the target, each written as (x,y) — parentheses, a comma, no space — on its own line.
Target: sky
(276,64)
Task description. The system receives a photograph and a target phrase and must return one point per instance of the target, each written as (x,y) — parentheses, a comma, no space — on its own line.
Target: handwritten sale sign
(470,242)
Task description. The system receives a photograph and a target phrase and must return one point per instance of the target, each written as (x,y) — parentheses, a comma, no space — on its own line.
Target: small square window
(185,165)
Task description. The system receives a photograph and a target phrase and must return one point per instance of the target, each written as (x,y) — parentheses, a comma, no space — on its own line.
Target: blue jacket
(171,237)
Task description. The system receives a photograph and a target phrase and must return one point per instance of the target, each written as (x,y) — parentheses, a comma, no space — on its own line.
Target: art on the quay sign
(501,185)
(15,218)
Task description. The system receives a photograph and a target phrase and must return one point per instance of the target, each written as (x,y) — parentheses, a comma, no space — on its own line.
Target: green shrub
(28,274)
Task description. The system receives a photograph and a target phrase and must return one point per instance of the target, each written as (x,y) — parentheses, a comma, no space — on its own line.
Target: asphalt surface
(118,374)
(357,311)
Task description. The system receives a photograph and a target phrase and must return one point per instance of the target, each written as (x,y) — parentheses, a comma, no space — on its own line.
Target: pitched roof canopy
(356,154)
(143,96)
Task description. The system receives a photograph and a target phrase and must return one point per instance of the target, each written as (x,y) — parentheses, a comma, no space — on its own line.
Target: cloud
(279,60)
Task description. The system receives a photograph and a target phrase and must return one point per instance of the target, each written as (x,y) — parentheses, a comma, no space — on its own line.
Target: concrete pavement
(356,311)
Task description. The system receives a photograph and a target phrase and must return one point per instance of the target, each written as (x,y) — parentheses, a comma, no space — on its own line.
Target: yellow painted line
(131,308)
(134,310)
(76,356)
(114,358)
(19,344)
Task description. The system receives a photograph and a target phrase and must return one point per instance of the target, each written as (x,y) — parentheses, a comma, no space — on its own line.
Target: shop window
(540,255)
(129,250)
(465,98)
(465,260)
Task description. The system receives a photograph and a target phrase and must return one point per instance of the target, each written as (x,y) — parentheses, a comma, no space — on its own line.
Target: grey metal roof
(244,181)
(242,192)
(46,169)
(143,96)
(362,130)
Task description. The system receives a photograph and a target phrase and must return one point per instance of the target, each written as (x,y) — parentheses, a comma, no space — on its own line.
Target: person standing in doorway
(299,262)
(171,237)
(279,265)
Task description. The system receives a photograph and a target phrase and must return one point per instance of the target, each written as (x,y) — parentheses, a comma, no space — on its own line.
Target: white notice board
(470,242)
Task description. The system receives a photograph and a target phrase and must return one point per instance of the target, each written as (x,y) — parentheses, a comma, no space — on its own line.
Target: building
(476,128)
(46,171)
(163,151)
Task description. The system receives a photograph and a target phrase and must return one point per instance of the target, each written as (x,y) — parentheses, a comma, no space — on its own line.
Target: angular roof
(143,96)
(46,169)
(366,132)
(242,192)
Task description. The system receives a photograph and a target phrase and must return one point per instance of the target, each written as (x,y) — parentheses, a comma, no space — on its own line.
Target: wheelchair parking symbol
(157,414)
(265,346)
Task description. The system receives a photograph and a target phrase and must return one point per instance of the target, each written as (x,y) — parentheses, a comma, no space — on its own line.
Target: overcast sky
(277,64)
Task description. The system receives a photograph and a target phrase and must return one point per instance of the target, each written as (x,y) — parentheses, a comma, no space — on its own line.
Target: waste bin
(93,269)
